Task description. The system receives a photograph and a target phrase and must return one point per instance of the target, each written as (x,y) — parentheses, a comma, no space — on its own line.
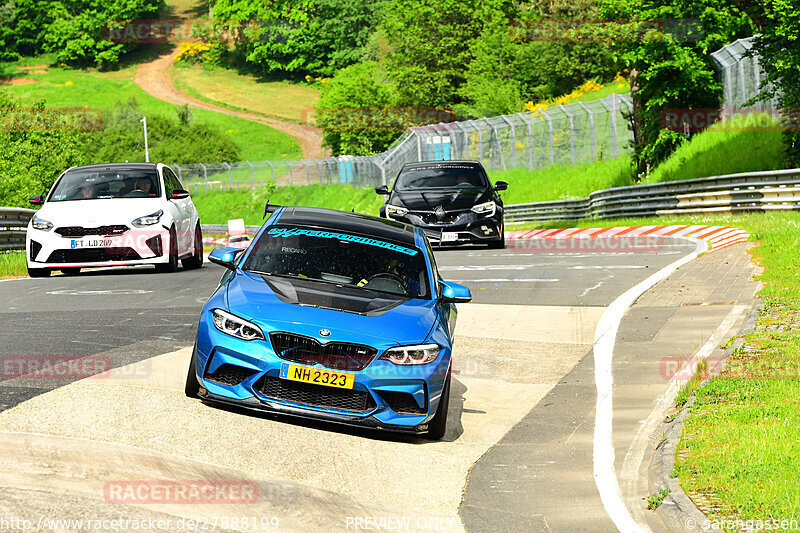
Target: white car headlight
(148,220)
(395,210)
(40,223)
(421,354)
(235,326)
(487,209)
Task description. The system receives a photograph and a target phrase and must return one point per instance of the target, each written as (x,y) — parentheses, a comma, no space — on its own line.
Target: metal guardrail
(13,221)
(733,193)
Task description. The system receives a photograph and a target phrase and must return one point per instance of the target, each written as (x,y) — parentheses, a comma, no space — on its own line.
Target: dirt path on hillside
(154,77)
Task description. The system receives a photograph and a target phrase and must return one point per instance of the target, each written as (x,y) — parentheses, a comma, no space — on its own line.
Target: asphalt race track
(520,449)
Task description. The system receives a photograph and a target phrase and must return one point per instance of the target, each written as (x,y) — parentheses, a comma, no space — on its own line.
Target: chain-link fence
(742,77)
(566,134)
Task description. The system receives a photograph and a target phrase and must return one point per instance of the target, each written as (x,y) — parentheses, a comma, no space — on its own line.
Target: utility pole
(146,150)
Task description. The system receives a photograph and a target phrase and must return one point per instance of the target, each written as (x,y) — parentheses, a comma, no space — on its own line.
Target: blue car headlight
(420,354)
(236,327)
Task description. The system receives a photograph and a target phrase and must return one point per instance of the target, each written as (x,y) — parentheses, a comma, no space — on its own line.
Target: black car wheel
(71,271)
(192,386)
(502,242)
(438,425)
(172,265)
(196,260)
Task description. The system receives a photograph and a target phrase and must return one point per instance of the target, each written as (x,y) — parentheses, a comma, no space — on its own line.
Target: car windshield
(86,184)
(441,177)
(342,259)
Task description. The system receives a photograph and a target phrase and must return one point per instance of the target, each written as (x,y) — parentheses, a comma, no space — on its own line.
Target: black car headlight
(395,210)
(420,354)
(235,326)
(487,209)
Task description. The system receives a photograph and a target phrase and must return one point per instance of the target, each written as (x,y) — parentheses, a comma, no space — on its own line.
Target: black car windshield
(342,259)
(94,184)
(441,177)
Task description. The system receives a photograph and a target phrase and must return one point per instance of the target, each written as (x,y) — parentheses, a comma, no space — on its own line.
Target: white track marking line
(629,474)
(604,338)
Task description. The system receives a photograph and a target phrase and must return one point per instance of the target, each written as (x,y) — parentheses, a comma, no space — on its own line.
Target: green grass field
(282,100)
(217,207)
(62,87)
(12,265)
(725,148)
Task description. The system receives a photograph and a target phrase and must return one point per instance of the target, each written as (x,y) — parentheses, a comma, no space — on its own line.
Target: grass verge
(282,100)
(741,445)
(62,87)
(12,265)
(217,207)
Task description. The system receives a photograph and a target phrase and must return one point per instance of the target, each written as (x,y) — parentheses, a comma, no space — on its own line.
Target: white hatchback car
(113,215)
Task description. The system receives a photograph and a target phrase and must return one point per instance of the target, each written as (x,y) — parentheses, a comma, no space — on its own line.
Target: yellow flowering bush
(188,51)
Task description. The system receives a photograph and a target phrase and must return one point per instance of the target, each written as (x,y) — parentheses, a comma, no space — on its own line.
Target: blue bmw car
(331,315)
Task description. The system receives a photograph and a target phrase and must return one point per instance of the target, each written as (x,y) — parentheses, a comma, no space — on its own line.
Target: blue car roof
(349,222)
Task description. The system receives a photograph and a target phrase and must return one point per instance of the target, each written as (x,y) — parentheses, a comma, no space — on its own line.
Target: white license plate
(449,236)
(92,243)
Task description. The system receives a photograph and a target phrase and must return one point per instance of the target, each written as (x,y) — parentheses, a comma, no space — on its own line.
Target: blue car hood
(390,320)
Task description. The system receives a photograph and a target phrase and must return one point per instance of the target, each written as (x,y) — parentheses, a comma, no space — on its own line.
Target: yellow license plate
(328,378)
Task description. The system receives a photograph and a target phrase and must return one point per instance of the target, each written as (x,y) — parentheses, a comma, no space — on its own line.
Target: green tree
(431,47)
(491,86)
(353,111)
(294,38)
(666,47)
(778,24)
(32,152)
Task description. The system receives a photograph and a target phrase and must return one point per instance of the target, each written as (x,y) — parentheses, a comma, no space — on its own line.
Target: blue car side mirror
(225,256)
(454,293)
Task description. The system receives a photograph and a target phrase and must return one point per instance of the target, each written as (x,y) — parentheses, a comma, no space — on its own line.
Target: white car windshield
(91,184)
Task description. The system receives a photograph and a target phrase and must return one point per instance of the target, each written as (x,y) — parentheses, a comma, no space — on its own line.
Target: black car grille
(402,402)
(334,355)
(93,255)
(317,395)
(431,218)
(229,375)
(78,231)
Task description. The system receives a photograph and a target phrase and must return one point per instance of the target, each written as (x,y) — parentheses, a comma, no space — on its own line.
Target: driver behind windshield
(144,184)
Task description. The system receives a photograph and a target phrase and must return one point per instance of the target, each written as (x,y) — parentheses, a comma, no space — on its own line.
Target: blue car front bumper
(384,395)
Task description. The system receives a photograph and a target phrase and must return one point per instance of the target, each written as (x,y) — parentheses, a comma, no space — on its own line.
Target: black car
(452,201)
